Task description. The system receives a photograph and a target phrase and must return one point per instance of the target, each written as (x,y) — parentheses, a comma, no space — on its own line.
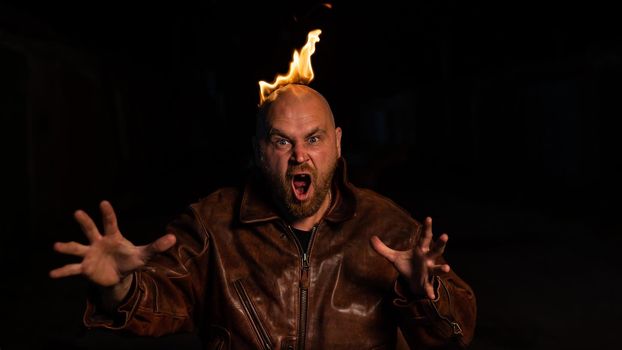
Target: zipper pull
(304,274)
(456,328)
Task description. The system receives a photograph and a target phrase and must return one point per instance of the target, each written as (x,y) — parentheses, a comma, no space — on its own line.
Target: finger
(71,248)
(161,244)
(110,218)
(424,244)
(382,249)
(67,270)
(438,269)
(439,246)
(88,226)
(429,291)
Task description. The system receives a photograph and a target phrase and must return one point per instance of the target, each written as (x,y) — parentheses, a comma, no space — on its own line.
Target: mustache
(299,168)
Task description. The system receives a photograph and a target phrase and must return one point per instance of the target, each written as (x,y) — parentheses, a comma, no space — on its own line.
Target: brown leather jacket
(238,274)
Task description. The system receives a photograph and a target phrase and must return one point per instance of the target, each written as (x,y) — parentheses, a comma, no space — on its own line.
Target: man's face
(298,150)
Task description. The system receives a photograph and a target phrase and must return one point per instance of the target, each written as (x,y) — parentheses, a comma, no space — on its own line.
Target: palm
(419,263)
(109,257)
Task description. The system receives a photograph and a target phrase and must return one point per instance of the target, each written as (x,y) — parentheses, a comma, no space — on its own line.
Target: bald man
(297,258)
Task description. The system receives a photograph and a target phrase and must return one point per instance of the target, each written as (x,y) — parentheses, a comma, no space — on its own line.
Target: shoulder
(378,215)
(369,202)
(220,203)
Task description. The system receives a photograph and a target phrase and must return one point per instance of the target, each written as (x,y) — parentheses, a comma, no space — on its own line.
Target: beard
(283,194)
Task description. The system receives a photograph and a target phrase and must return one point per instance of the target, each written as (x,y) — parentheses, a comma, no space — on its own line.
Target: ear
(338,140)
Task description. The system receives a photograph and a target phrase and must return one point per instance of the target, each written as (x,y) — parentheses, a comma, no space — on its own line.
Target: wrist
(114,295)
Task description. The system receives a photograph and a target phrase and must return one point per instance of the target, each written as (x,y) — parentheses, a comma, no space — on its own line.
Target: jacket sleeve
(166,291)
(448,322)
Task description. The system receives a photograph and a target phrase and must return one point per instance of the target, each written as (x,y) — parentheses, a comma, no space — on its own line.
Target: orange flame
(300,71)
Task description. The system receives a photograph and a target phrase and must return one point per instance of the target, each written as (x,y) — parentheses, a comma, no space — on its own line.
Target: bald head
(293,100)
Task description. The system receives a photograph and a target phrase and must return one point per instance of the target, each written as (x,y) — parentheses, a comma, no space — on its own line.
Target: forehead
(293,113)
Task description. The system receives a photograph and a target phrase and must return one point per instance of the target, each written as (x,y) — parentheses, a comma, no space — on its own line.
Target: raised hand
(419,264)
(109,258)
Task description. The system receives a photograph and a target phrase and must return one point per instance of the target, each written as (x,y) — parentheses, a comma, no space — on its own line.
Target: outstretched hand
(109,258)
(418,264)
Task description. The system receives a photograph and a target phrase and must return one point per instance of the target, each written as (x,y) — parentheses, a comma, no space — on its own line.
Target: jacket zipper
(455,326)
(260,330)
(304,295)
(304,285)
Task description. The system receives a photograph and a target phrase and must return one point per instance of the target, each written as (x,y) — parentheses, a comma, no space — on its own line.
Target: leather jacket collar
(257,206)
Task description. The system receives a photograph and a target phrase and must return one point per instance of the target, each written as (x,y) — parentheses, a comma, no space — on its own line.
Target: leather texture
(237,274)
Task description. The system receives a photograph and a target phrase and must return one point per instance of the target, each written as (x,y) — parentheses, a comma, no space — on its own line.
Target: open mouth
(301,184)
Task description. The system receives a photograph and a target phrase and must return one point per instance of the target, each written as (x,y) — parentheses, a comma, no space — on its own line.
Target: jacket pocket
(253,317)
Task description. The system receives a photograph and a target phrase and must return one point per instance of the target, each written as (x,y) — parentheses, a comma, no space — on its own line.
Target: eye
(314,139)
(282,142)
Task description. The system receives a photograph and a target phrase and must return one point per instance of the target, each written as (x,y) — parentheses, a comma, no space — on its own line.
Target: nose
(299,154)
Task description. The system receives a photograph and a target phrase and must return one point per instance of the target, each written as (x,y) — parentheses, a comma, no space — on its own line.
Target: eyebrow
(275,131)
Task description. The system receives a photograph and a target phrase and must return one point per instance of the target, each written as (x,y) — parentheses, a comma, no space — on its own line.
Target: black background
(498,119)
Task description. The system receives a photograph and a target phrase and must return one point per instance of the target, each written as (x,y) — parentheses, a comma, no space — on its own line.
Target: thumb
(161,244)
(382,249)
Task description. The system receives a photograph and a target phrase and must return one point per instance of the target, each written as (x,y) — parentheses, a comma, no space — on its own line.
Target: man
(295,260)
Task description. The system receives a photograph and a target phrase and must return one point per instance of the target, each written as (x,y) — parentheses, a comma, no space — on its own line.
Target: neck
(306,224)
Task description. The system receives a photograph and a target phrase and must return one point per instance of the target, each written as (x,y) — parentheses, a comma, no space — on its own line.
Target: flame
(300,70)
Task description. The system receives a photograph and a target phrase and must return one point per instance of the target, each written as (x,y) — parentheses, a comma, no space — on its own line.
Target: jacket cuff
(96,316)
(437,313)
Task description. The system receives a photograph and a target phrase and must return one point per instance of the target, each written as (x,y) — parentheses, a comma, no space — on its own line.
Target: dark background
(498,119)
